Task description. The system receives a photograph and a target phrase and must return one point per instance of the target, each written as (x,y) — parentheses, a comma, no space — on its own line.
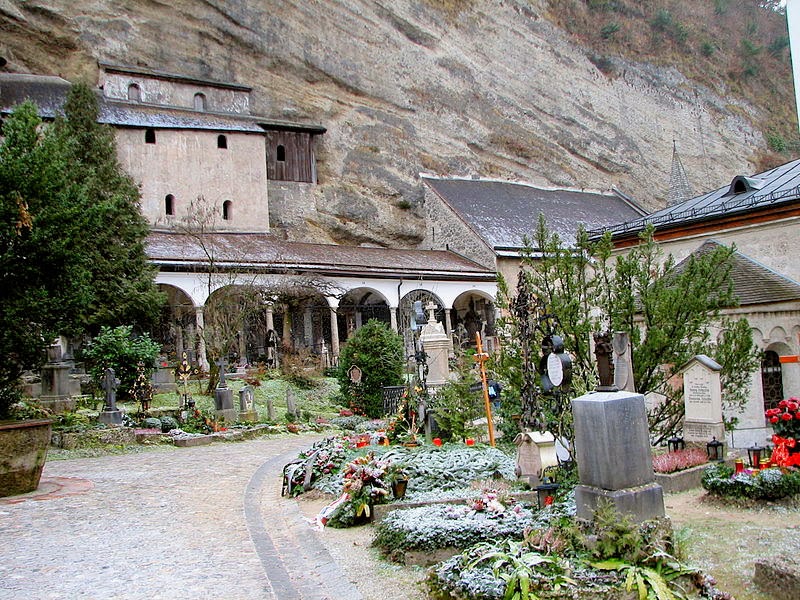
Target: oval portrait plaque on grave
(555,370)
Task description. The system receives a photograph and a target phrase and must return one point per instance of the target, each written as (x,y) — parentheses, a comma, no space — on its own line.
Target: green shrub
(769,484)
(378,352)
(151,423)
(608,31)
(776,142)
(348,423)
(120,350)
(168,424)
(707,48)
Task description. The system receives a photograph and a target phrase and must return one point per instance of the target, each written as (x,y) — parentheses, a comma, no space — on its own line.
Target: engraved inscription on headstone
(702,394)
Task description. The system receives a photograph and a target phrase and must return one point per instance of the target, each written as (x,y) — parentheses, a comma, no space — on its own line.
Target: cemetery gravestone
(612,448)
(55,394)
(623,365)
(702,395)
(247,406)
(291,405)
(111,415)
(223,396)
(436,343)
(536,450)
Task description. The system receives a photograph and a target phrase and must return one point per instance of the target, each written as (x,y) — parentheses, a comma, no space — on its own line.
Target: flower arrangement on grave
(365,484)
(321,458)
(785,418)
(772,483)
(403,427)
(201,421)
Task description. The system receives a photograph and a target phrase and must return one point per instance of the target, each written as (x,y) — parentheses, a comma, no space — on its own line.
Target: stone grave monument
(111,415)
(612,448)
(436,344)
(247,404)
(623,363)
(702,397)
(291,405)
(536,450)
(223,397)
(55,394)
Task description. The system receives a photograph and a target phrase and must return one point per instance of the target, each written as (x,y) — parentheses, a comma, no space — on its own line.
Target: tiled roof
(780,185)
(49,94)
(265,253)
(753,283)
(503,212)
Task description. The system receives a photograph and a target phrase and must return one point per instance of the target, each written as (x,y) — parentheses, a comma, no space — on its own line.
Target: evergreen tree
(669,311)
(71,236)
(121,276)
(378,352)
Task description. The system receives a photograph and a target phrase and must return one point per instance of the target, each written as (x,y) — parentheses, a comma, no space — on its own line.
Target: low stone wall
(92,437)
(687,479)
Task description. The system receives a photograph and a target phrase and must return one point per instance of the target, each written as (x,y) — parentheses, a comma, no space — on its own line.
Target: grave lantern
(714,449)
(545,493)
(675,444)
(754,455)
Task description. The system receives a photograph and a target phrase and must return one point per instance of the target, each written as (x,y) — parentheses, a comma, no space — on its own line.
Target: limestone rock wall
(451,88)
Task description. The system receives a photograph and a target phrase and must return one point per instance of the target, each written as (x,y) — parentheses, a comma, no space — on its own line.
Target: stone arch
(473,311)
(177,329)
(227,210)
(406,325)
(772,373)
(358,306)
(778,334)
(199,101)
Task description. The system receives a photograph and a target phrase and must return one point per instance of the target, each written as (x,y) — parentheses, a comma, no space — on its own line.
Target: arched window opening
(222,141)
(134,93)
(280,154)
(199,101)
(149,136)
(771,379)
(169,204)
(227,210)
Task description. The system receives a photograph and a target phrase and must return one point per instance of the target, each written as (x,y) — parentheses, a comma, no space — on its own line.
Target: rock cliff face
(488,88)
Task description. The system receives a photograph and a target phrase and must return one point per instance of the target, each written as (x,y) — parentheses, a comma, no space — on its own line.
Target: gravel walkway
(203,522)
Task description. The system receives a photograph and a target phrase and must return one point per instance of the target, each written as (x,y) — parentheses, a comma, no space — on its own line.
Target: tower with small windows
(197,151)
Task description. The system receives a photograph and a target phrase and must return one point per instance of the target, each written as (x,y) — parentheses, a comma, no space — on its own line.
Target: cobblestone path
(204,522)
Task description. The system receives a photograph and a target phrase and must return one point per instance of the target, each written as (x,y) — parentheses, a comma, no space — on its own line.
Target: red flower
(548,500)
(774,419)
(783,403)
(792,406)
(786,416)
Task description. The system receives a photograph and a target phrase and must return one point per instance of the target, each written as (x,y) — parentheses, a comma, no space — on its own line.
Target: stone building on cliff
(205,166)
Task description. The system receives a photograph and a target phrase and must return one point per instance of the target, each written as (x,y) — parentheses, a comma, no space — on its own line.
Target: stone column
(308,327)
(288,342)
(202,359)
(334,335)
(393,317)
(448,330)
(359,320)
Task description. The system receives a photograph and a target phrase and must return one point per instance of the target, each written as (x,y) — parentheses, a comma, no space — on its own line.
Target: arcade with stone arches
(258,318)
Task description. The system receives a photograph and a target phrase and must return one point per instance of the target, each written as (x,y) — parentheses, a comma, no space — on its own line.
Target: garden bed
(382,510)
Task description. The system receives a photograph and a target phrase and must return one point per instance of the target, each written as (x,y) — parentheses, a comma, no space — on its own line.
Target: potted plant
(24,440)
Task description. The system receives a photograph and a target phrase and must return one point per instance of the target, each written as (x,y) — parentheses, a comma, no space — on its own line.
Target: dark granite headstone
(612,448)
